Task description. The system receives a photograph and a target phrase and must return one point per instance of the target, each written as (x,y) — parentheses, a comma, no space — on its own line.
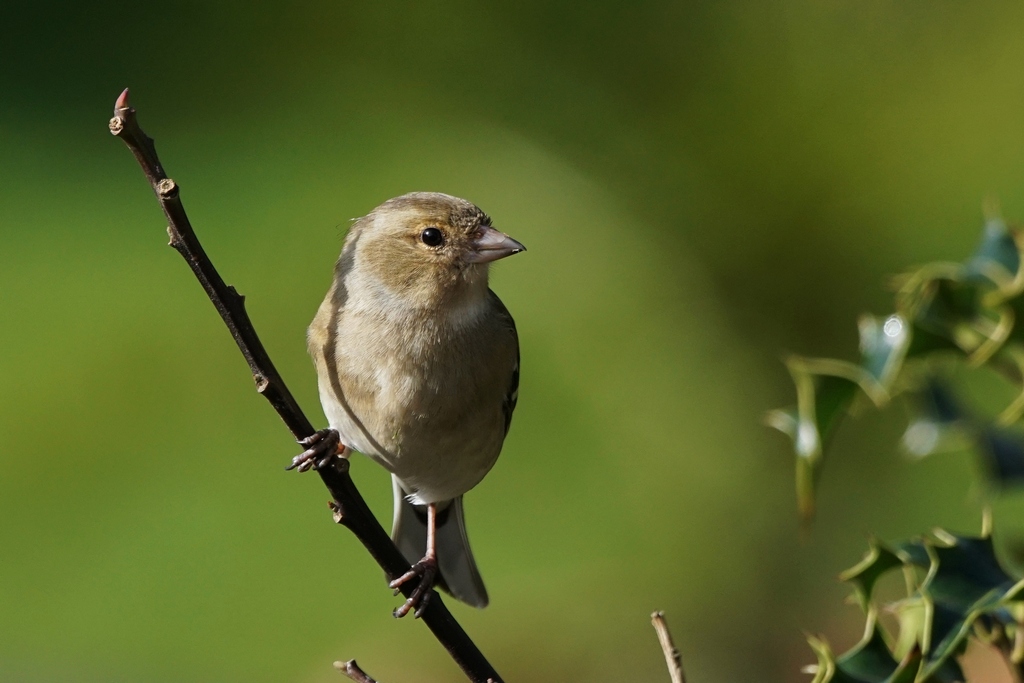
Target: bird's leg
(321,448)
(426,569)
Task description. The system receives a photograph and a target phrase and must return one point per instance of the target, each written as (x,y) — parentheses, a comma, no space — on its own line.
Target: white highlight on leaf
(807,439)
(893,326)
(921,438)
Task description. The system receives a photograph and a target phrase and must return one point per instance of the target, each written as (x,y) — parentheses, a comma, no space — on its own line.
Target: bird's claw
(426,569)
(321,448)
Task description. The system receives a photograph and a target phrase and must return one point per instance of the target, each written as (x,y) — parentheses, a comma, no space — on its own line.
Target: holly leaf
(954,309)
(937,422)
(965,583)
(969,308)
(824,391)
(870,661)
(878,561)
(968,574)
(965,586)
(997,258)
(1002,451)
(883,345)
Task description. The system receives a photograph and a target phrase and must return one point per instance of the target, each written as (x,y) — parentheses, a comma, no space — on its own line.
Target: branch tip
(122,101)
(352,670)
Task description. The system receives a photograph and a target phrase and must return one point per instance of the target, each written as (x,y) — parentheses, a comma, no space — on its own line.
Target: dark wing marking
(512,397)
(508,405)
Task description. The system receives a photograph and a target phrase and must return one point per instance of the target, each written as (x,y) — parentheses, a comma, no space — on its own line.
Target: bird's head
(428,248)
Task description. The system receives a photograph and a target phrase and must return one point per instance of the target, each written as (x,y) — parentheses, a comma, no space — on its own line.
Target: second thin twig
(672,658)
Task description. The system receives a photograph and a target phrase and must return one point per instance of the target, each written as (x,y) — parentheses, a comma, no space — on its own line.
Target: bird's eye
(432,237)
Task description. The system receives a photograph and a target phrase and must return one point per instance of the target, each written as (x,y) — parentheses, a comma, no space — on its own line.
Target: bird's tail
(457,570)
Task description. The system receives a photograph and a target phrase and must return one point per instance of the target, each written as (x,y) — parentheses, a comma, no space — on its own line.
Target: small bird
(418,368)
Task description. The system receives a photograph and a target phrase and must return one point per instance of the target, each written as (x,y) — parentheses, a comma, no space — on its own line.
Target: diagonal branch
(348,505)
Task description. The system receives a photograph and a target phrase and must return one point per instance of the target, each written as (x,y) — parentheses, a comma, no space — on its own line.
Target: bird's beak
(491,245)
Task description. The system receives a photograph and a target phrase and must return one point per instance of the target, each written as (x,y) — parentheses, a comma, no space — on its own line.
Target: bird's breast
(416,397)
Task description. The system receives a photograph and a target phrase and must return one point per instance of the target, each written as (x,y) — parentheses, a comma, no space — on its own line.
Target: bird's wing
(512,395)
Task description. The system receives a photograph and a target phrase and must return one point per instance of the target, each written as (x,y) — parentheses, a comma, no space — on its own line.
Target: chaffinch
(418,368)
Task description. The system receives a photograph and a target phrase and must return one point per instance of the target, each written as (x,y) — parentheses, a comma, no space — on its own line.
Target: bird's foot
(321,448)
(426,569)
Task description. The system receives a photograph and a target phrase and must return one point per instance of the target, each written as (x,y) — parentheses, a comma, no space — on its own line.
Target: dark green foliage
(947,317)
(956,588)
(945,314)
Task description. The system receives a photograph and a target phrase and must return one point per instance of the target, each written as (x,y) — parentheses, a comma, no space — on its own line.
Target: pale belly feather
(431,414)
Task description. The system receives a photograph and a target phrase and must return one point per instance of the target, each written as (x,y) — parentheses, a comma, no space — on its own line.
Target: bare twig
(349,507)
(672,658)
(352,670)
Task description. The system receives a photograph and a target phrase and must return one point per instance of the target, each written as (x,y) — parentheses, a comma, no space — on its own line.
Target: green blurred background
(703,187)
